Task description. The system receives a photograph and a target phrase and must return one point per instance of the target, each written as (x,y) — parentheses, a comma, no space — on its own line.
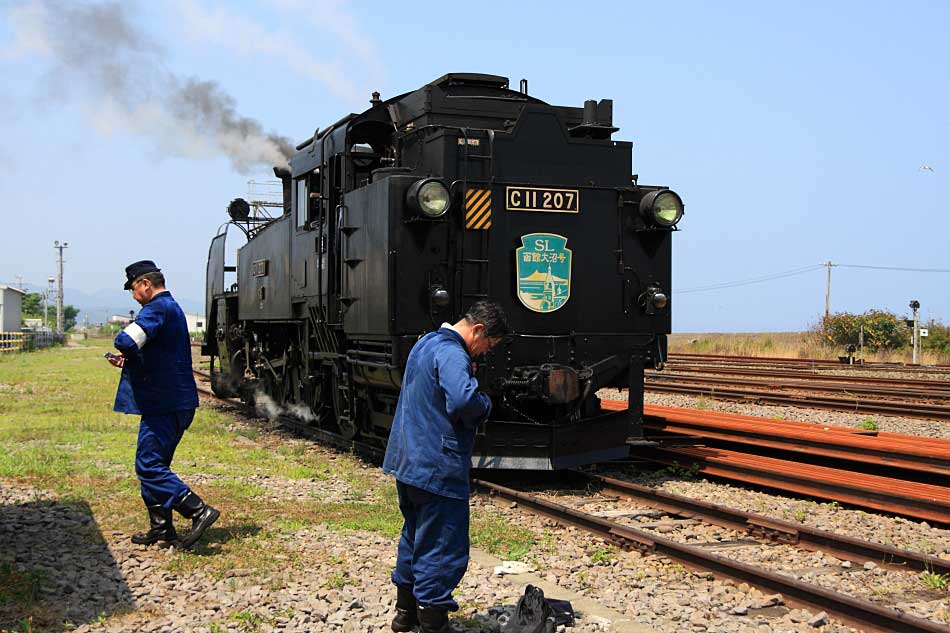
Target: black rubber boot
(161,527)
(201,515)
(406,618)
(433,620)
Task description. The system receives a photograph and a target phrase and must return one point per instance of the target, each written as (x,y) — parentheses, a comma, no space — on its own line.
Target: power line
(800,271)
(751,280)
(901,268)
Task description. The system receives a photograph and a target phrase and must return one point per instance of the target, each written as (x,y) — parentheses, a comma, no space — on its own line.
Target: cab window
(301,200)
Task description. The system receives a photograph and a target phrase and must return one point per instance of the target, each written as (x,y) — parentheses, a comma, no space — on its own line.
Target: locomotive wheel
(221,384)
(341,407)
(316,393)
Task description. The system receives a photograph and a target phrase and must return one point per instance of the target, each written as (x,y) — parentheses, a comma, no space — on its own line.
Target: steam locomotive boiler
(397,219)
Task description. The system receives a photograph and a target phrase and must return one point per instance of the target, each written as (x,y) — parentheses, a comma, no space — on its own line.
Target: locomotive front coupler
(560,384)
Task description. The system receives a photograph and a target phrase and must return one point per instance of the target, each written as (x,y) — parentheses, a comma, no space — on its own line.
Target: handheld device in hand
(115,359)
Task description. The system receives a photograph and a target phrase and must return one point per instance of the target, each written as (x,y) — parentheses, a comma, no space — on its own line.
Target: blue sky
(795,133)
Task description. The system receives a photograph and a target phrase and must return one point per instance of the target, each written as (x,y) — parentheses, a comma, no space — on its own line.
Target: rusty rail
(907,498)
(776,530)
(852,405)
(770,372)
(766,380)
(816,363)
(860,613)
(907,452)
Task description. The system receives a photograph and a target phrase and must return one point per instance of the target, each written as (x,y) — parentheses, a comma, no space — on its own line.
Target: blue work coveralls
(157,383)
(430,454)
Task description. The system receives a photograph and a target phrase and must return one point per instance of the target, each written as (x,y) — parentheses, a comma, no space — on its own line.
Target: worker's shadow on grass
(56,568)
(214,538)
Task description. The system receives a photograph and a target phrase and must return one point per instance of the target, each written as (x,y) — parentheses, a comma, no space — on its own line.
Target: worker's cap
(136,270)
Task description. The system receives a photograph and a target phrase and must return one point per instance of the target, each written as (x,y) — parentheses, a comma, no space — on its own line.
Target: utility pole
(59,287)
(46,297)
(828,265)
(19,281)
(915,305)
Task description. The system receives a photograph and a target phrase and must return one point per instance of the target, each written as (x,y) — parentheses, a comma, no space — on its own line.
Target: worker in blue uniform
(157,383)
(430,453)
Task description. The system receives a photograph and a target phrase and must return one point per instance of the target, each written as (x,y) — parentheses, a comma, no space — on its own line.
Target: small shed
(196,323)
(11,303)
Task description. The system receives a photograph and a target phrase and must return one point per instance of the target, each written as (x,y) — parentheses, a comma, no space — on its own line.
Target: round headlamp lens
(667,208)
(433,198)
(663,208)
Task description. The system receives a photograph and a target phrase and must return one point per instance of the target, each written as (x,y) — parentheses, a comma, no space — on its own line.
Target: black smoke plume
(96,47)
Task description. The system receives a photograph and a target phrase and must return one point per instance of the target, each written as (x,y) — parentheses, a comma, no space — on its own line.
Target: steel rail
(851,610)
(920,501)
(818,385)
(861,613)
(829,448)
(363,449)
(926,455)
(816,363)
(757,359)
(689,368)
(776,530)
(886,407)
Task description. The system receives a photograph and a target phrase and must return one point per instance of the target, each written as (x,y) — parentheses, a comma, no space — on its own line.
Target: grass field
(58,433)
(781,344)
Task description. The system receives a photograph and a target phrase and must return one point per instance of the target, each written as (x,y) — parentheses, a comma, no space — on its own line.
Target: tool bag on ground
(532,615)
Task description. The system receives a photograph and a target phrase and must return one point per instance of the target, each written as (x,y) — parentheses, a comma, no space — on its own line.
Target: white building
(11,302)
(196,323)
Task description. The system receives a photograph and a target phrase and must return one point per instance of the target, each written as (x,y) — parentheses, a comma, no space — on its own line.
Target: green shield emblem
(543,270)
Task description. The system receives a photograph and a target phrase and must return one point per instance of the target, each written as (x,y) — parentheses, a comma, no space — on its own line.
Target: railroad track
(929,458)
(810,401)
(858,379)
(367,451)
(923,501)
(814,363)
(864,614)
(937,393)
(887,472)
(860,613)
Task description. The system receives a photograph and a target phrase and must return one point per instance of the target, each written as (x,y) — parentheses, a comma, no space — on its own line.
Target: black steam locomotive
(397,219)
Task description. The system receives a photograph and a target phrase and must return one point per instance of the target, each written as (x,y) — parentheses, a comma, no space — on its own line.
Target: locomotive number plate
(543,199)
(259,268)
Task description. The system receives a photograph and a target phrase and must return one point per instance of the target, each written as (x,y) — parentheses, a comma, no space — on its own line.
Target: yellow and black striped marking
(478,209)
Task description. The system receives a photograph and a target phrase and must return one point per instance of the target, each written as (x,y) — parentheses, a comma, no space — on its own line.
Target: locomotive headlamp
(439,296)
(429,197)
(653,299)
(662,208)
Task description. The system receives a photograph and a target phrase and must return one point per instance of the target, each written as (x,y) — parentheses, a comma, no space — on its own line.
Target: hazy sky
(796,134)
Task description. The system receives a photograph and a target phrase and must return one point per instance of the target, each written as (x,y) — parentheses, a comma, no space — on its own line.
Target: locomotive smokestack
(284,174)
(590,112)
(375,100)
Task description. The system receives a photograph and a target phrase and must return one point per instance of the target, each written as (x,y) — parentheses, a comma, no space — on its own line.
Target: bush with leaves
(883,330)
(32,308)
(937,339)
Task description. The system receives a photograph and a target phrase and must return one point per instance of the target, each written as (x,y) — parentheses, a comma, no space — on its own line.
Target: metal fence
(11,342)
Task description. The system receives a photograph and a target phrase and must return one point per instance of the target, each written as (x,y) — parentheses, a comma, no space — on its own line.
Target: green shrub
(938,338)
(883,330)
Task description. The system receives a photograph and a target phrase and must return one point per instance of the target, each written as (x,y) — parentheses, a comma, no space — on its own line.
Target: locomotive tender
(397,219)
